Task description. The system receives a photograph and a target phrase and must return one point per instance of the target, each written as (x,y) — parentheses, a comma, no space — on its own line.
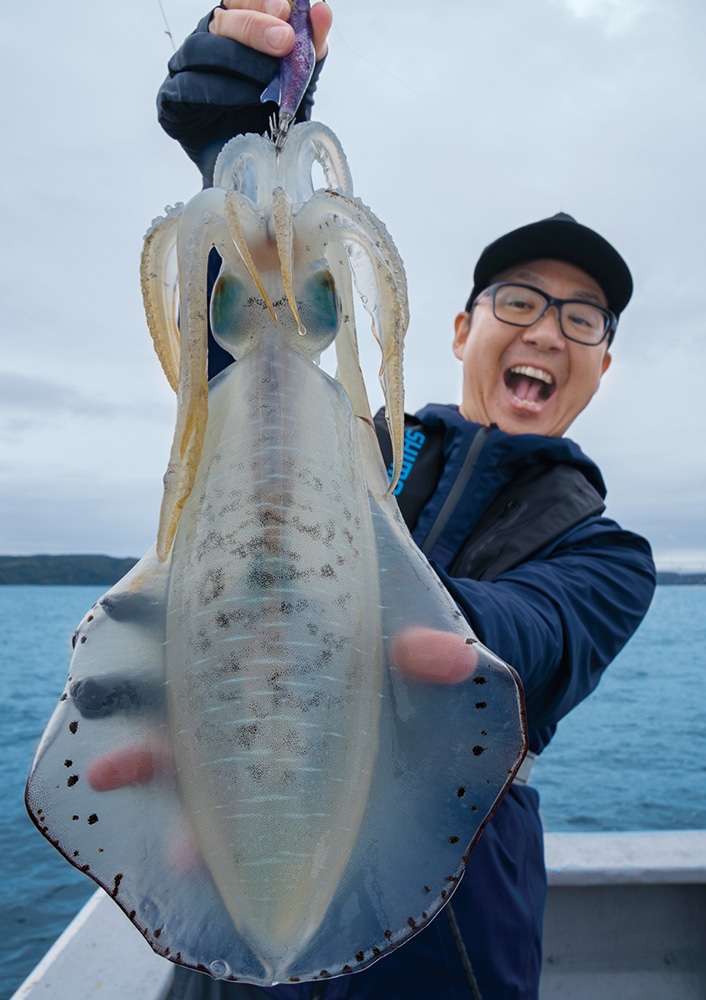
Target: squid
(239,757)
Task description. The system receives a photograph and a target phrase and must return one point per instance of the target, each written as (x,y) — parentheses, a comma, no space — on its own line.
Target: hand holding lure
(295,72)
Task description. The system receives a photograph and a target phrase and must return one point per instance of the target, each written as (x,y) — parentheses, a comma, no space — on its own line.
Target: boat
(625,918)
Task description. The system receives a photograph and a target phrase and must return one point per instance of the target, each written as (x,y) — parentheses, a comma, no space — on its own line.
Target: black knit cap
(559,238)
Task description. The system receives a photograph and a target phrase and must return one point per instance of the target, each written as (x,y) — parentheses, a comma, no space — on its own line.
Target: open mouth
(528,386)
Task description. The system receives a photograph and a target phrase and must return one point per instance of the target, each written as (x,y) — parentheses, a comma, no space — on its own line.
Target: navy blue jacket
(559,618)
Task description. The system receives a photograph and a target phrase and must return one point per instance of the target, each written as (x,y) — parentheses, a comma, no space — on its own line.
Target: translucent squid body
(235,758)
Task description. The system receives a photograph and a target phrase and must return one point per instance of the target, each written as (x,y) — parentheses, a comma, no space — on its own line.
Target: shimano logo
(414,438)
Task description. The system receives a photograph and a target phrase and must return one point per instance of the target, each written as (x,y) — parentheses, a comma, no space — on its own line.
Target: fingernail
(273,7)
(278,36)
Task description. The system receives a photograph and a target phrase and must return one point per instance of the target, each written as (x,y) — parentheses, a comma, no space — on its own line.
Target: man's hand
(420,654)
(138,765)
(432,657)
(262,25)
(131,765)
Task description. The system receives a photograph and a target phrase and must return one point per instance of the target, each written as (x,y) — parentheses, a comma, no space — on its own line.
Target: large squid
(237,758)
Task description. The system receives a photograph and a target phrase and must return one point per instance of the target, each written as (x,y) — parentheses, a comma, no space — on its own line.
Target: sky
(461,120)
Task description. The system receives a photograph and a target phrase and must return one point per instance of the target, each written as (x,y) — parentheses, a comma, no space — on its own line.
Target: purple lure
(295,72)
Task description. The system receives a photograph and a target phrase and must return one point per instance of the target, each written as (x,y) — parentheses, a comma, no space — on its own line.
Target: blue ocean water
(632,757)
(39,891)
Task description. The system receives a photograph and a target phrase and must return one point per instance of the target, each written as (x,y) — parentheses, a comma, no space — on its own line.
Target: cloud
(617,16)
(29,402)
(77,513)
(458,125)
(20,393)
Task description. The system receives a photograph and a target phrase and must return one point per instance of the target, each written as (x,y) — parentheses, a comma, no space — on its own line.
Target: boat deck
(626,917)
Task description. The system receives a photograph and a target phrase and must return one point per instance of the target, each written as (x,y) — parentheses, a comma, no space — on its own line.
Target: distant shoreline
(665,577)
(83,571)
(72,570)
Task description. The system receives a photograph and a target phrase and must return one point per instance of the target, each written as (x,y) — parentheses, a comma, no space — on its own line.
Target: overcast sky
(461,120)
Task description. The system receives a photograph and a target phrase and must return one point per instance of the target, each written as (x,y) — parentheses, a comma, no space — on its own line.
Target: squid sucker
(236,758)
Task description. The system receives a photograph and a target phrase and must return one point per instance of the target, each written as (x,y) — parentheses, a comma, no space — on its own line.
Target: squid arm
(337,259)
(348,370)
(159,293)
(381,283)
(282,215)
(239,209)
(248,164)
(224,221)
(310,143)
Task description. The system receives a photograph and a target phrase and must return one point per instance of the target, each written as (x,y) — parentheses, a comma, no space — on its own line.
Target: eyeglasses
(524,305)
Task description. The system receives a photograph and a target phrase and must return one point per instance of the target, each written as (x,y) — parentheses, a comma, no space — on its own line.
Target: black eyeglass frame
(611,320)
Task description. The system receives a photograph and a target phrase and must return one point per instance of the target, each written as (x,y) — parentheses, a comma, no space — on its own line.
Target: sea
(631,757)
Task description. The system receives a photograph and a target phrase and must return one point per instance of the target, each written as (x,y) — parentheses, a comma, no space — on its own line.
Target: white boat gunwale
(597,882)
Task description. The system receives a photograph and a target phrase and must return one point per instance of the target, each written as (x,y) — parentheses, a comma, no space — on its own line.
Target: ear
(462,327)
(606,362)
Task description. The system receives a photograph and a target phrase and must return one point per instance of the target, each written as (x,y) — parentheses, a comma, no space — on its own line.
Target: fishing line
(371,62)
(166,25)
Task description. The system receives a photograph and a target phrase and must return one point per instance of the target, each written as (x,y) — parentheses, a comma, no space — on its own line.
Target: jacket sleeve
(213,92)
(561,617)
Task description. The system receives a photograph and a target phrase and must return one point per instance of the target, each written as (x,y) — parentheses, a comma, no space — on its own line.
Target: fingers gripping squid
(290,805)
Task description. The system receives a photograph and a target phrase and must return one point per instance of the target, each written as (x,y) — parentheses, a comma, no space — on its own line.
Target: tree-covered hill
(106,570)
(67,570)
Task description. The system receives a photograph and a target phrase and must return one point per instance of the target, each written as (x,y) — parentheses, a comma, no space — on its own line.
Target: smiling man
(507,509)
(538,324)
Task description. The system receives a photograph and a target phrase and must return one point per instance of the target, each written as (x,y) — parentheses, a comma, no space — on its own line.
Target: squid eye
(236,315)
(320,308)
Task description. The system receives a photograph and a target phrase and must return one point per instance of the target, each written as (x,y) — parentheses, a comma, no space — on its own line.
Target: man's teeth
(531,372)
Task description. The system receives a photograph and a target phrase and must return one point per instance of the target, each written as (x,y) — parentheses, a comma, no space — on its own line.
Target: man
(508,511)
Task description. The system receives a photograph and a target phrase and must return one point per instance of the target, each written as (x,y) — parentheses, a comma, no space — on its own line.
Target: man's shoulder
(528,490)
(513,453)
(537,507)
